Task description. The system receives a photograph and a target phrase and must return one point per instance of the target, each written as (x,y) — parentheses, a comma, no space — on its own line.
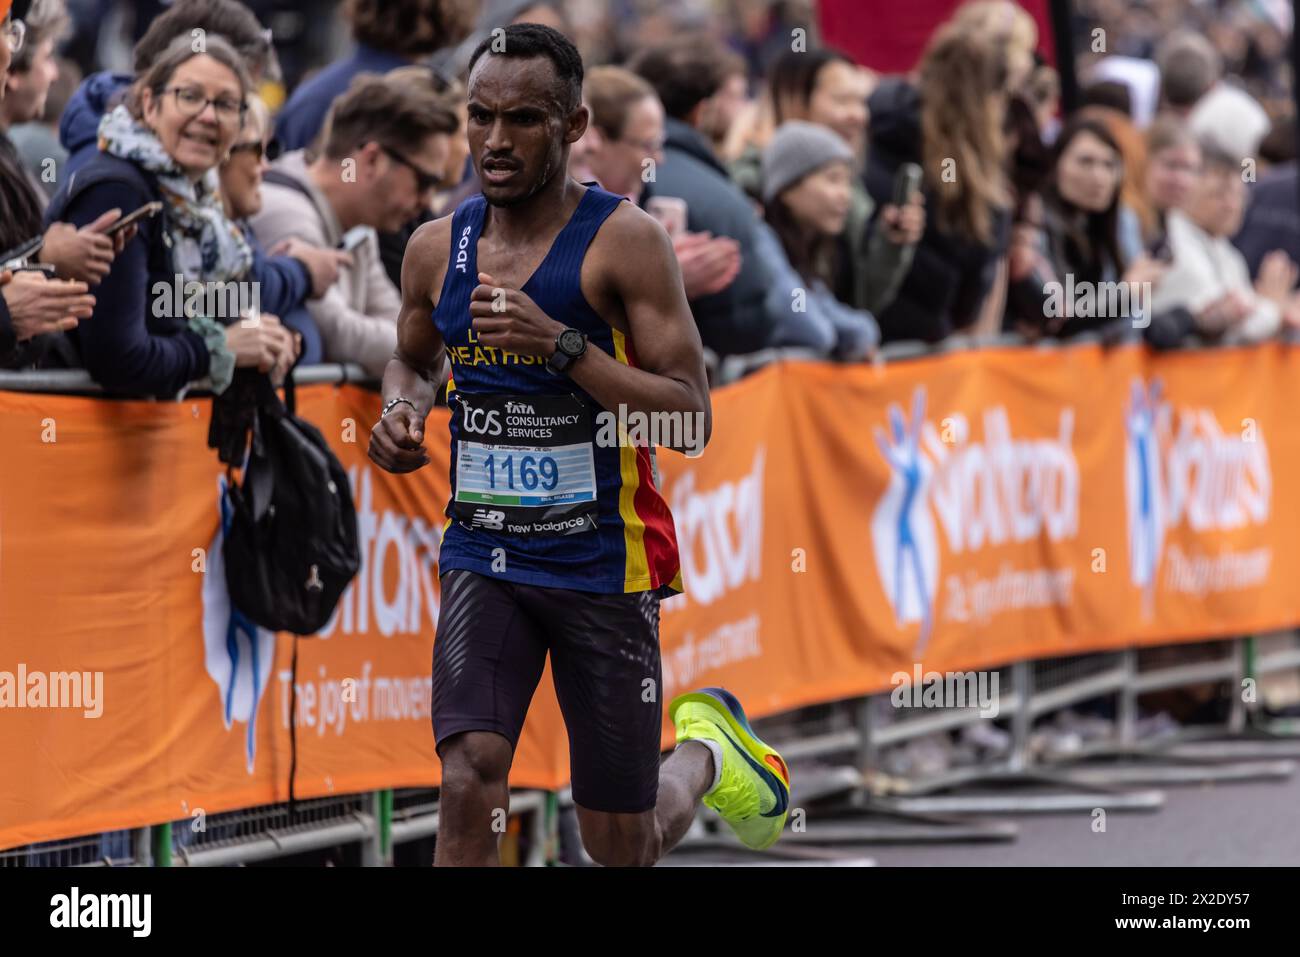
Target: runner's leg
(609,682)
(475,771)
(487,659)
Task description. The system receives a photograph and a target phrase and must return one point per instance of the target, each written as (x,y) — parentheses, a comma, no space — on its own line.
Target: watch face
(572,343)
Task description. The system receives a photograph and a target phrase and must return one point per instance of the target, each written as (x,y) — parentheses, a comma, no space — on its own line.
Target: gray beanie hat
(797,149)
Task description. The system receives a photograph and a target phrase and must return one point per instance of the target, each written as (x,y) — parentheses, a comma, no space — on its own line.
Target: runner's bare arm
(414,372)
(669,375)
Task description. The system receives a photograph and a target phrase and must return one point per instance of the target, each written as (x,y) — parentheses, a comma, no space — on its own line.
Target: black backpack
(292,545)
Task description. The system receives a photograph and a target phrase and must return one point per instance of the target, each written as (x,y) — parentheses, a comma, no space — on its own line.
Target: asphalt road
(1254,823)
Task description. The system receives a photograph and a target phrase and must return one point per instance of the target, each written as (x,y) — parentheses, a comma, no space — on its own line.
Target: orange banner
(844,524)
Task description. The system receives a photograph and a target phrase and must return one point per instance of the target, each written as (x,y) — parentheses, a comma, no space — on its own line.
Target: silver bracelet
(389,407)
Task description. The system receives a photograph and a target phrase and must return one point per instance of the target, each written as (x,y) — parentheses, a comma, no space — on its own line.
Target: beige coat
(358,316)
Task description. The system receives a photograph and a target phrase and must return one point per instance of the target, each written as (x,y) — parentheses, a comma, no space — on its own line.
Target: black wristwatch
(569,347)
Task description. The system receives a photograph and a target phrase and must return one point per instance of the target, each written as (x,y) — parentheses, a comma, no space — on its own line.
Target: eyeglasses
(271,151)
(191,101)
(14,33)
(423,181)
(650,147)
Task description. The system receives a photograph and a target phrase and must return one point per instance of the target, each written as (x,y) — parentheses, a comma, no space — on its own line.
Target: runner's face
(517,138)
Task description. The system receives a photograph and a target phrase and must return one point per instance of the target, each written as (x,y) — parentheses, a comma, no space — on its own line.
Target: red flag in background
(890,35)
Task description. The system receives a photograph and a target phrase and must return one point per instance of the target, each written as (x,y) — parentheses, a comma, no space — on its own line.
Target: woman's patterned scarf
(206,246)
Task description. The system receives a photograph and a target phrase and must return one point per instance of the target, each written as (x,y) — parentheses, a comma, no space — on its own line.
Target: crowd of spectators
(812,203)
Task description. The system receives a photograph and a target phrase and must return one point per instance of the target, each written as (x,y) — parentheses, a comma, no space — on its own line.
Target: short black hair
(527,40)
(1111,93)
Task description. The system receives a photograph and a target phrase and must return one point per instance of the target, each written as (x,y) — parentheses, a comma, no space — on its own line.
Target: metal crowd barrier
(837,750)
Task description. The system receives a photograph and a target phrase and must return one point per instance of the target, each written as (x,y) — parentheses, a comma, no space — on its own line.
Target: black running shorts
(493,637)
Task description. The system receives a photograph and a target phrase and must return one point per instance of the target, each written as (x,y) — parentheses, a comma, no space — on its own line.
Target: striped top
(627,543)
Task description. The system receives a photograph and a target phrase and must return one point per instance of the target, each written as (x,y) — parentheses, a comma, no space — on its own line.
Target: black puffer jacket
(951,275)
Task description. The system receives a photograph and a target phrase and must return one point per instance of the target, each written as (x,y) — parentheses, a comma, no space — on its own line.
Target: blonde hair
(963,108)
(258,117)
(1001,20)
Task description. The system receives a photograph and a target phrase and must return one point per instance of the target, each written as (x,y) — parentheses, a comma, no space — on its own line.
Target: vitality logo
(1182,469)
(237,653)
(984,493)
(902,526)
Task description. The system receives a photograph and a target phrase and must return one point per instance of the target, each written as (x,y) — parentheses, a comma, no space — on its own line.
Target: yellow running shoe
(753,791)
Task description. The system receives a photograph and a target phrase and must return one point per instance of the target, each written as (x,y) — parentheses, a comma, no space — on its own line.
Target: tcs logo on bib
(481,421)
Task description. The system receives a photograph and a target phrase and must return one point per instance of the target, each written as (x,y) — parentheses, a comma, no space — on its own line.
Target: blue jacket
(79,126)
(304,114)
(820,321)
(285,285)
(283,282)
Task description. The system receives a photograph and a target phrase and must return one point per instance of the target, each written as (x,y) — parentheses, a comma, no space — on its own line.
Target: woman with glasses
(177,305)
(300,271)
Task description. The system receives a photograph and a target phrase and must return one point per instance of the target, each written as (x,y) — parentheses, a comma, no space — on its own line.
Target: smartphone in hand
(147,211)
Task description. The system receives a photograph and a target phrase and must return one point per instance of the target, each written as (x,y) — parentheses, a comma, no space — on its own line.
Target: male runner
(555,302)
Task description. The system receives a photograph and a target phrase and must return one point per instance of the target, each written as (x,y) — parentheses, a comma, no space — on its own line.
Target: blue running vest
(534,498)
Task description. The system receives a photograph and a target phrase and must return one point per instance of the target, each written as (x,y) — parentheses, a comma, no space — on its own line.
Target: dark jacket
(304,115)
(9,351)
(20,201)
(79,125)
(1272,217)
(124,345)
(1041,303)
(21,219)
(951,275)
(735,320)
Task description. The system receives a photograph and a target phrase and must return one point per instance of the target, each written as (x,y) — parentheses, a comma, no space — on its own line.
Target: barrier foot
(834,806)
(1205,743)
(1169,768)
(1008,791)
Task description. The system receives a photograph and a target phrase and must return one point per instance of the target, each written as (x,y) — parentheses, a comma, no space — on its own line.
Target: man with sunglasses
(378,167)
